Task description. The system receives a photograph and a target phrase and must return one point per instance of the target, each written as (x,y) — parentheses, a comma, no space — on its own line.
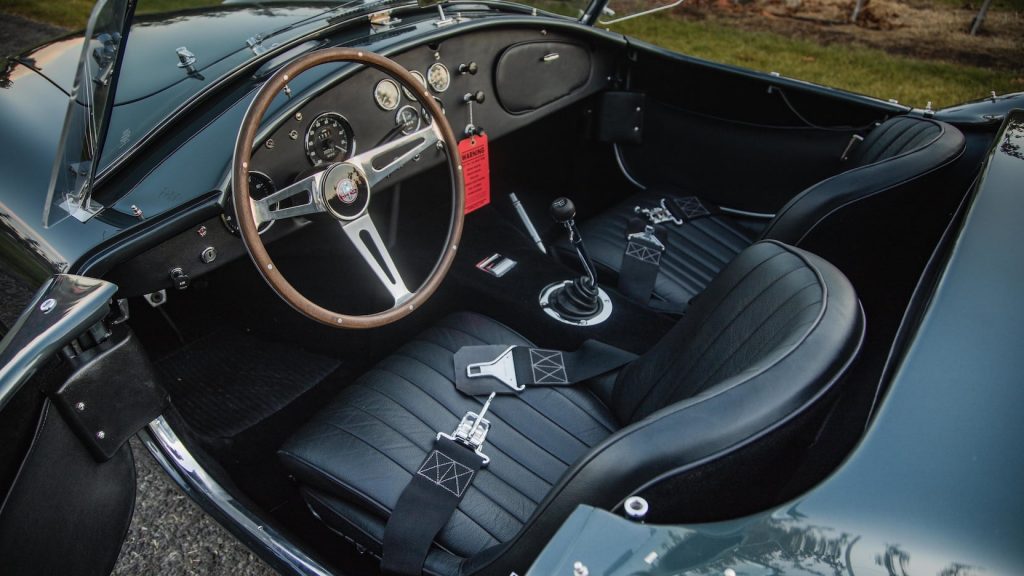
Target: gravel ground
(169,534)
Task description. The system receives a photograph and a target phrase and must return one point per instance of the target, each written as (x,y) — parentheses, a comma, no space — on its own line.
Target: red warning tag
(476,169)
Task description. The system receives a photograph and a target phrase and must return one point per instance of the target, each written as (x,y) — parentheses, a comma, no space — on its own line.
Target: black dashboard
(494,81)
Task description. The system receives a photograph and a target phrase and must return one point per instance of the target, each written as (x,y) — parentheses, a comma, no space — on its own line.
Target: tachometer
(438,77)
(328,139)
(386,94)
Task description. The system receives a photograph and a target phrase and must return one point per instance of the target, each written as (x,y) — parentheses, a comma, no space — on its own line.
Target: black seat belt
(647,240)
(443,478)
(645,245)
(506,369)
(434,493)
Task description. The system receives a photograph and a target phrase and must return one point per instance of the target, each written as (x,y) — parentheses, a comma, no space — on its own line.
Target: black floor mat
(229,381)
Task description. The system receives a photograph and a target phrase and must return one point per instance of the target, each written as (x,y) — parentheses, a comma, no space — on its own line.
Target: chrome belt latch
(502,368)
(659,214)
(647,235)
(472,431)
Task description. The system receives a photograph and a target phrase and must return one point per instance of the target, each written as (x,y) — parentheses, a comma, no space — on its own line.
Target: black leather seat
(894,157)
(770,336)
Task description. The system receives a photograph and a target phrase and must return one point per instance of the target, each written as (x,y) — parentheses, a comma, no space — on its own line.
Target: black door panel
(743,139)
(66,513)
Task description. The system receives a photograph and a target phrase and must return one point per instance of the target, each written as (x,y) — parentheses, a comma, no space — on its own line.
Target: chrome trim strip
(64,308)
(745,213)
(174,457)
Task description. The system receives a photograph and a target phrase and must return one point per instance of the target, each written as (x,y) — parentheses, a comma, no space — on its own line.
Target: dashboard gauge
(260,186)
(438,77)
(386,94)
(419,77)
(408,118)
(329,139)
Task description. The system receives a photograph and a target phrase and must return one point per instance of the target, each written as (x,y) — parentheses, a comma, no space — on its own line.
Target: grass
(863,70)
(74,14)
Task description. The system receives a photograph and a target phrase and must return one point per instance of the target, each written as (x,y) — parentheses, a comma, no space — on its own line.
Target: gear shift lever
(563,211)
(575,301)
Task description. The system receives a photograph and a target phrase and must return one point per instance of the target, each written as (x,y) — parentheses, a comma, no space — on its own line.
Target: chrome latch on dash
(502,368)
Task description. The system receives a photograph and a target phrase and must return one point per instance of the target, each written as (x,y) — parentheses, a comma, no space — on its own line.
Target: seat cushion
(360,451)
(694,254)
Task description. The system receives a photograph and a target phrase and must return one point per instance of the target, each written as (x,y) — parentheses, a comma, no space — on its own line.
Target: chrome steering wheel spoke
(364,236)
(268,209)
(395,153)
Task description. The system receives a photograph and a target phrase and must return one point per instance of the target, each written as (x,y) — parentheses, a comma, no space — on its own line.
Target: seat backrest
(758,350)
(892,157)
(755,312)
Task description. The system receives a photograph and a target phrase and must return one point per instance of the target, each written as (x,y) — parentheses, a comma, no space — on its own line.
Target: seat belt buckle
(502,368)
(658,214)
(647,235)
(472,431)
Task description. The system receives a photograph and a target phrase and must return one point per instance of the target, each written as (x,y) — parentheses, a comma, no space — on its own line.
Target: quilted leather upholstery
(769,337)
(892,157)
(695,252)
(365,445)
(761,307)
(894,137)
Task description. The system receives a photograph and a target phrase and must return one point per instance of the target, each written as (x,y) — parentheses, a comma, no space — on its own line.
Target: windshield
(88,110)
(167,53)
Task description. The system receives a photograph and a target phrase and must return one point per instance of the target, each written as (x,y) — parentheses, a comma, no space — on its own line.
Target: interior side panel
(743,140)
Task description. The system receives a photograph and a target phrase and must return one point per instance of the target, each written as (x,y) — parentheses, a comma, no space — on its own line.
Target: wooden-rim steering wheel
(343,190)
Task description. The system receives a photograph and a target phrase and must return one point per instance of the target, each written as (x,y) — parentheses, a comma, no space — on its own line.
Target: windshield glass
(88,109)
(165,54)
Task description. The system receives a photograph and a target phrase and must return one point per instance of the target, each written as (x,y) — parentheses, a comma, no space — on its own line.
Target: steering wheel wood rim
(244,205)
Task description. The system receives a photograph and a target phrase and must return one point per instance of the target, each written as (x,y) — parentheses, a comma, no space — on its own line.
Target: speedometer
(328,139)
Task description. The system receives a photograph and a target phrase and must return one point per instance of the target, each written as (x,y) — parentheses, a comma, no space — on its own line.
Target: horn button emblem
(345,192)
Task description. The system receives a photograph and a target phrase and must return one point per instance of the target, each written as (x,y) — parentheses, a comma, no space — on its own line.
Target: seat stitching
(582,409)
(525,402)
(710,313)
(788,328)
(761,325)
(725,329)
(411,473)
(495,448)
(427,450)
(528,439)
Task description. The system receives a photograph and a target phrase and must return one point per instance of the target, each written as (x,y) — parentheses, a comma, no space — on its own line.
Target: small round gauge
(260,186)
(438,77)
(419,77)
(328,139)
(408,118)
(386,94)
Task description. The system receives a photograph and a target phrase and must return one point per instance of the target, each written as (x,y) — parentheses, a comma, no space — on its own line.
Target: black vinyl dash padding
(229,381)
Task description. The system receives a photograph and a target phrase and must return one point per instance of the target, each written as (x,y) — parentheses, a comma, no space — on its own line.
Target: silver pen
(526,222)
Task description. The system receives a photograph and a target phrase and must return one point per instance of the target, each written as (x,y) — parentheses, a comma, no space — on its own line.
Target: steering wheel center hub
(345,192)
